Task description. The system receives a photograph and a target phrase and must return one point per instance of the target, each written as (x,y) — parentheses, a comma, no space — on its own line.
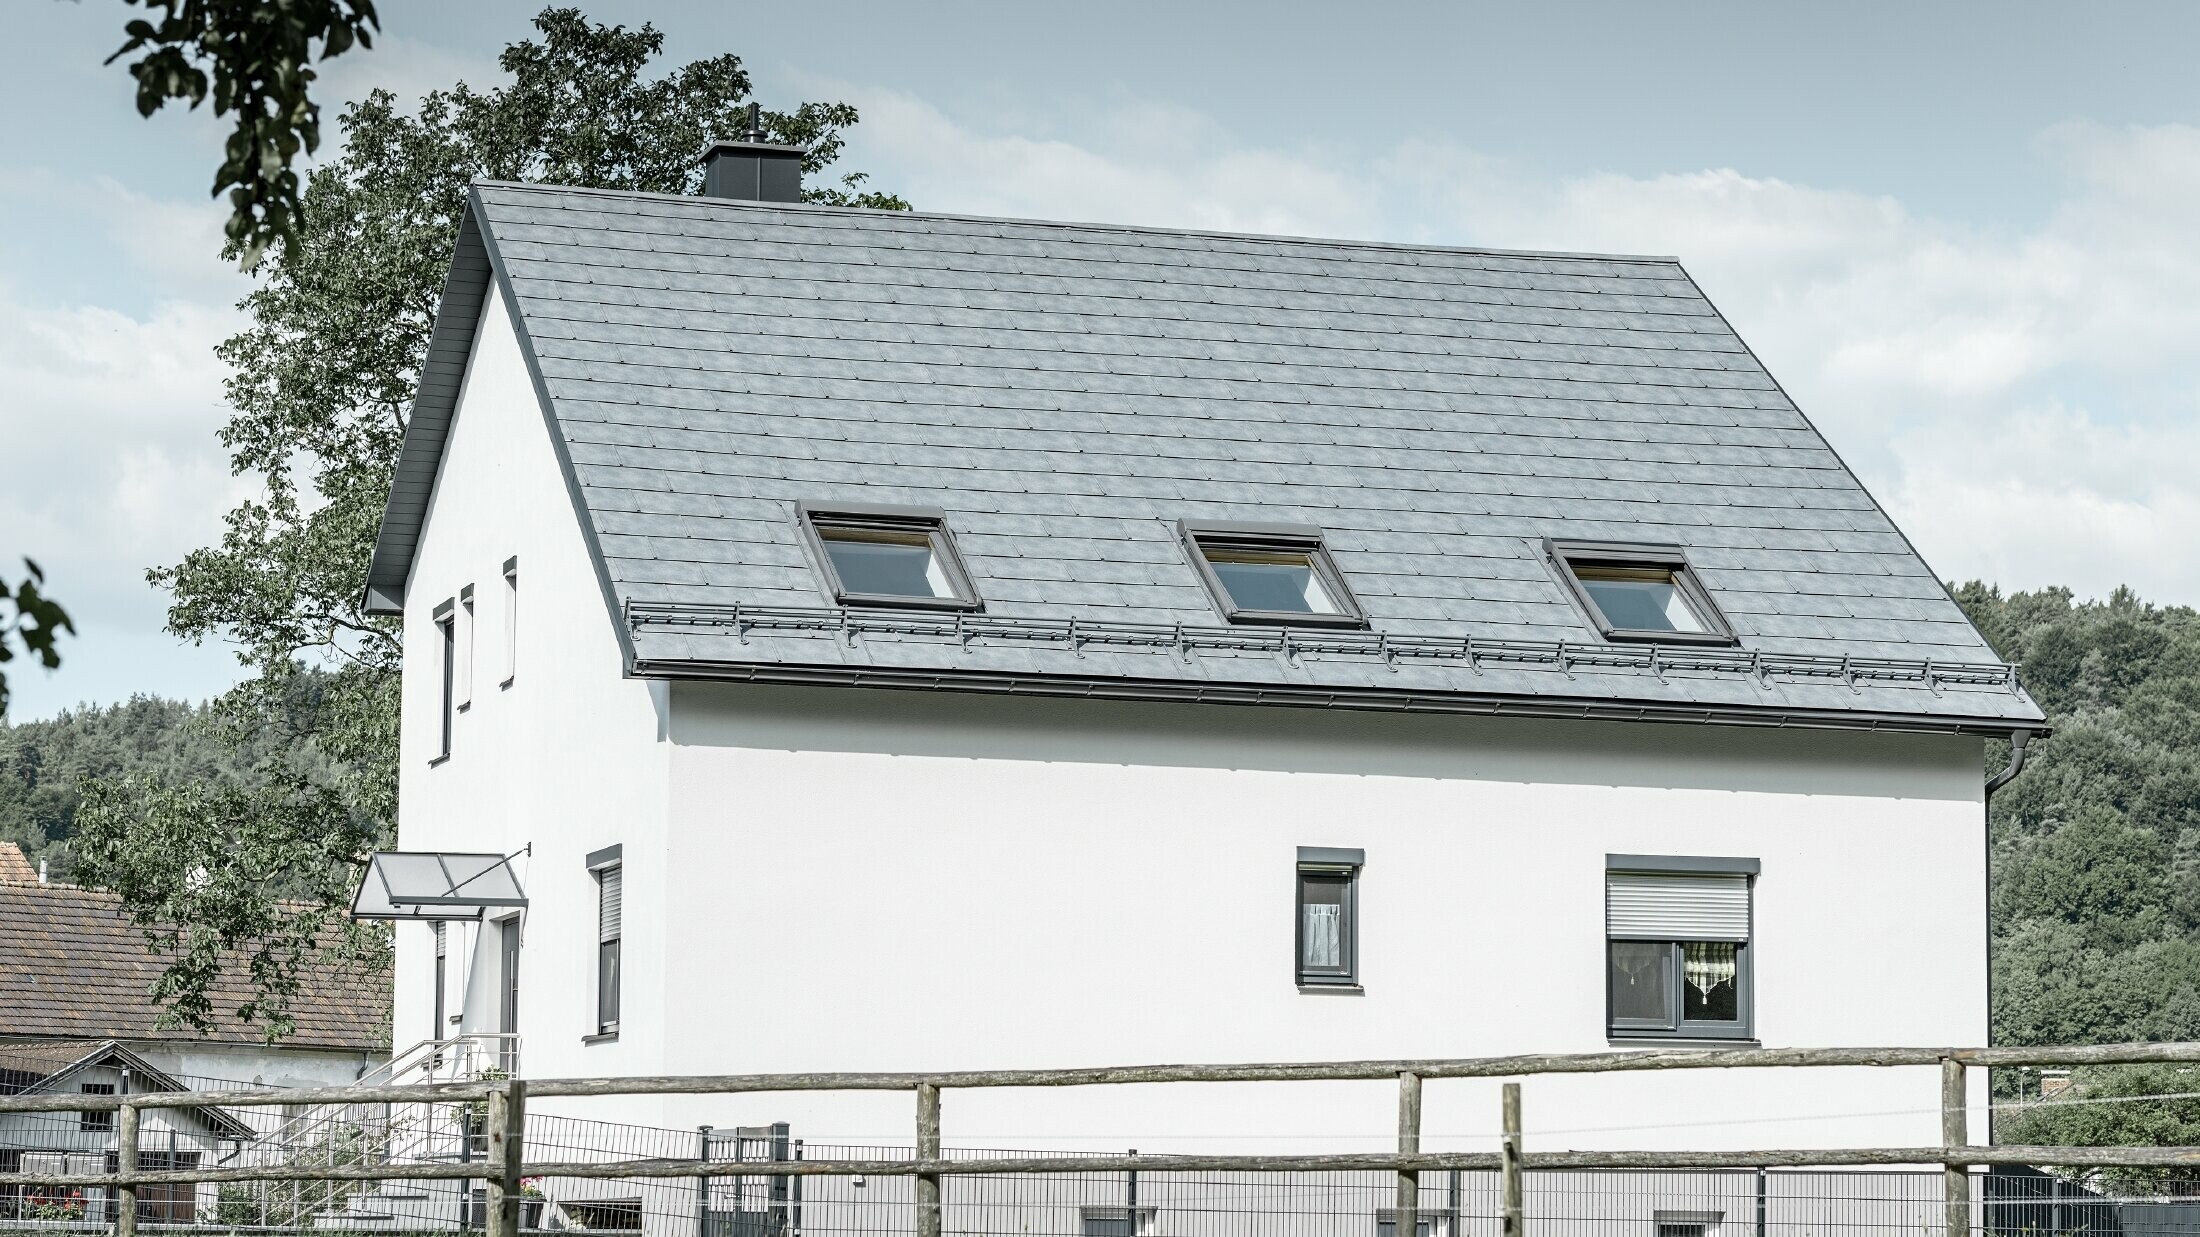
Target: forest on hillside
(2096,848)
(46,765)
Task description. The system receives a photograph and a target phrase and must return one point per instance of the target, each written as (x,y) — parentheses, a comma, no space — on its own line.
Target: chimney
(752,169)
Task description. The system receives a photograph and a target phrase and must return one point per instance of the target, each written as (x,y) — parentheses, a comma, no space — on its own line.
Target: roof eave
(1387,701)
(442,377)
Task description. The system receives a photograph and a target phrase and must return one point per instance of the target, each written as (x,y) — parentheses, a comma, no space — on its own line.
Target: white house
(914,641)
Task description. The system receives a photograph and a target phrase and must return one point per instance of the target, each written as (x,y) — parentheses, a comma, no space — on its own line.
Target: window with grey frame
(1639,593)
(1326,940)
(1677,946)
(888,556)
(609,869)
(446,626)
(1279,574)
(442,977)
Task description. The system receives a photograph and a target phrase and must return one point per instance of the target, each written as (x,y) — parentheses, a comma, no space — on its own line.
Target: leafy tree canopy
(322,381)
(2096,854)
(261,54)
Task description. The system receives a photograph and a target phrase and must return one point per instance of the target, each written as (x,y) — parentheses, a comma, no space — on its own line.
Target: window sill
(506,683)
(1722,1041)
(433,761)
(1332,990)
(603,1037)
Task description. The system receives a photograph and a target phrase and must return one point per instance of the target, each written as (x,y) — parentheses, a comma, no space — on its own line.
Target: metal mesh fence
(761,1202)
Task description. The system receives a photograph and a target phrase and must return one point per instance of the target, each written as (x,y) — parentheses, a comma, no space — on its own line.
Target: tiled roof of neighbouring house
(1068,392)
(76,967)
(15,867)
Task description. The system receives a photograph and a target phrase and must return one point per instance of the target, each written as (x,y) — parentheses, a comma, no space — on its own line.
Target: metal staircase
(379,1132)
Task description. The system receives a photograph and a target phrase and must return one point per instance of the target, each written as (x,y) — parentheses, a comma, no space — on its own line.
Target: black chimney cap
(753,169)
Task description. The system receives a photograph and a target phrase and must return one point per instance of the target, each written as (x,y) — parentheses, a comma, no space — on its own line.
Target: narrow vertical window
(446,630)
(441,980)
(463,690)
(1327,944)
(610,872)
(1677,949)
(511,621)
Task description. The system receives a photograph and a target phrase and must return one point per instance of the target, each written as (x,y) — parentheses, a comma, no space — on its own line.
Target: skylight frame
(1565,556)
(1198,536)
(931,522)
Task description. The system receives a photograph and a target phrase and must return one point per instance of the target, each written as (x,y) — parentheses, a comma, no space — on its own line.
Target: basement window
(1271,573)
(888,556)
(1639,592)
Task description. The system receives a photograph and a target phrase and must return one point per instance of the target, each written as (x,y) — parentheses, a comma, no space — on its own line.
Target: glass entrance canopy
(435,885)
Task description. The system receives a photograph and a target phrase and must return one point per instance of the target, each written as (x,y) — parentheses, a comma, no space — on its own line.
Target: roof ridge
(1281,238)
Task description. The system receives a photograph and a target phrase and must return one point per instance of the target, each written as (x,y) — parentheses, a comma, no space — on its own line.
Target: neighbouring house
(85,1142)
(79,972)
(850,640)
(77,1017)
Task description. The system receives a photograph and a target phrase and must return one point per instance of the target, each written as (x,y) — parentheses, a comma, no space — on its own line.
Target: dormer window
(1271,573)
(888,556)
(1639,592)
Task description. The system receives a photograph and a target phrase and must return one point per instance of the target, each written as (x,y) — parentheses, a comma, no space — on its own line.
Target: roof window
(888,556)
(1271,573)
(1639,592)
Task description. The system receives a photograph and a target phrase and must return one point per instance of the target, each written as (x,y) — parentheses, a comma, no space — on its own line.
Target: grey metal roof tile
(1068,392)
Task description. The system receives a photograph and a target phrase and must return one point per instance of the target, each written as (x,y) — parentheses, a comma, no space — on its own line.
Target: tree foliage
(2096,852)
(261,54)
(322,381)
(29,617)
(2096,848)
(2122,1106)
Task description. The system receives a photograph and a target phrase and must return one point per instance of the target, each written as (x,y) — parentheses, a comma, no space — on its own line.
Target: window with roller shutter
(609,872)
(1677,946)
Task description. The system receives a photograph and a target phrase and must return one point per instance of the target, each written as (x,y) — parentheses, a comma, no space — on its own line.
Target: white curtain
(1324,946)
(1709,964)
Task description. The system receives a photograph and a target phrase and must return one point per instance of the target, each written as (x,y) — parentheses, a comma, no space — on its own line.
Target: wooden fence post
(507,1125)
(1409,1143)
(928,1148)
(1955,1132)
(1515,1222)
(126,1156)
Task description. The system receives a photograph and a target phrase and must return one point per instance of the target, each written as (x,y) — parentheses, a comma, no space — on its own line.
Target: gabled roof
(74,967)
(1067,393)
(15,867)
(54,1063)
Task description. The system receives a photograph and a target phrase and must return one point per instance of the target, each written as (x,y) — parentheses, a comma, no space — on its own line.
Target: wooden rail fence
(505,1165)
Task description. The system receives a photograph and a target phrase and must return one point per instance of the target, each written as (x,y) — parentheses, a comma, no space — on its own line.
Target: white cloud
(2023,399)
(114,468)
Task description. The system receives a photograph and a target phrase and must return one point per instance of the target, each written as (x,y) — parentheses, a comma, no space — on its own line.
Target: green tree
(261,54)
(2096,859)
(322,383)
(30,617)
(2120,1106)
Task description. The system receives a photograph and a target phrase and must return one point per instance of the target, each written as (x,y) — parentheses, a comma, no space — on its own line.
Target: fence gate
(759,1206)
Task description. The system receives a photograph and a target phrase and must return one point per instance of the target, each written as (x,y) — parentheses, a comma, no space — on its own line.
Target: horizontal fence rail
(503,1167)
(1318,1071)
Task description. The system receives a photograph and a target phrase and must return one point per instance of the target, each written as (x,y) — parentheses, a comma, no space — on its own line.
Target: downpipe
(2017,741)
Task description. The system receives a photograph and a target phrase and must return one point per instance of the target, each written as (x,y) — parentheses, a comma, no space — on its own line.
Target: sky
(1962,236)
